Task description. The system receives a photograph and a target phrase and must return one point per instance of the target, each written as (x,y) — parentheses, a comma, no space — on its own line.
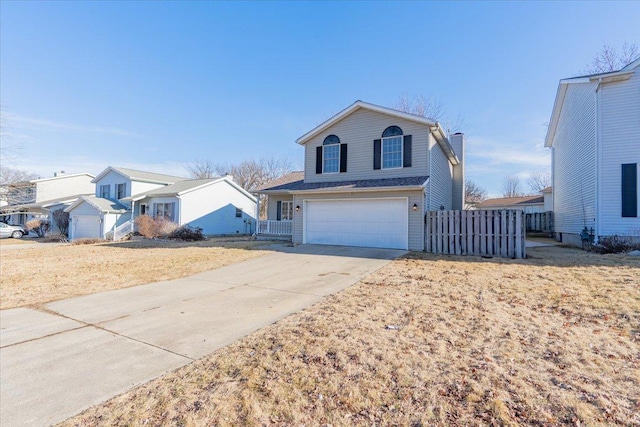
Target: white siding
(620,144)
(574,165)
(138,187)
(132,187)
(63,186)
(416,218)
(272,207)
(213,208)
(358,131)
(440,179)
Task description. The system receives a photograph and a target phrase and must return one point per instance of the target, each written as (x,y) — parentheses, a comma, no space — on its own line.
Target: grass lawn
(34,276)
(427,340)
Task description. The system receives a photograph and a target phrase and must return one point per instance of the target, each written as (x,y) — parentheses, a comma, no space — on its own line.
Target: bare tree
(538,181)
(201,168)
(428,107)
(511,186)
(61,220)
(15,185)
(610,59)
(473,193)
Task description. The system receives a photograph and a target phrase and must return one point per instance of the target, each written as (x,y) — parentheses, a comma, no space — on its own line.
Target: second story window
(392,148)
(331,154)
(121,191)
(105,191)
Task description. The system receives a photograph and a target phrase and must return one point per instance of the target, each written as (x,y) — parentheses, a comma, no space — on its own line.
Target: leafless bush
(152,228)
(38,226)
(613,245)
(187,234)
(61,220)
(55,238)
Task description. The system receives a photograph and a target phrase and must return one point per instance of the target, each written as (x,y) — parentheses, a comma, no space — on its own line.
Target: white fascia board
(356,106)
(441,139)
(77,203)
(357,190)
(224,178)
(35,181)
(555,113)
(106,172)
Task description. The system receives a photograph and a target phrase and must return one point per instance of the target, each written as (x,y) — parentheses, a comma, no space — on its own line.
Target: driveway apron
(76,353)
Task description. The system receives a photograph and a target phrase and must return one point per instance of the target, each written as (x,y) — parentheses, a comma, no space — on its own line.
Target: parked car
(15,231)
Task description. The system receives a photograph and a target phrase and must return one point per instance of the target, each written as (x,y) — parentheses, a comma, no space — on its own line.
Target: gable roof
(407,183)
(71,175)
(137,175)
(289,178)
(432,124)
(510,201)
(98,203)
(612,76)
(186,186)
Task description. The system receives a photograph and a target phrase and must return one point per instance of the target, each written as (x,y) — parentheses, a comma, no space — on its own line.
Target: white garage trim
(367,210)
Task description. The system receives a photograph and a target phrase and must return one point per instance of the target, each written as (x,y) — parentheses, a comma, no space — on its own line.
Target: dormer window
(331,154)
(105,191)
(392,148)
(121,191)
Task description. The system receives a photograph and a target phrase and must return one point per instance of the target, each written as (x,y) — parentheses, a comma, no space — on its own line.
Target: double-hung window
(121,191)
(331,154)
(286,211)
(165,211)
(392,148)
(105,191)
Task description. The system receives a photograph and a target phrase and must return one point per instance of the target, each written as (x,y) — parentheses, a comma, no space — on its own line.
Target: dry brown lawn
(33,276)
(427,340)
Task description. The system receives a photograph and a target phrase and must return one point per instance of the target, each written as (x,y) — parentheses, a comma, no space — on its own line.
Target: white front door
(375,223)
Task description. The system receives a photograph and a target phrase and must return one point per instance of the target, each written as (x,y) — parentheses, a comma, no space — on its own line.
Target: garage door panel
(86,226)
(379,223)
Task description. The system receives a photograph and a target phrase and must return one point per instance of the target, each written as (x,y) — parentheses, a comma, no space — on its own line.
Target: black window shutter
(343,158)
(406,160)
(630,190)
(319,159)
(279,210)
(377,151)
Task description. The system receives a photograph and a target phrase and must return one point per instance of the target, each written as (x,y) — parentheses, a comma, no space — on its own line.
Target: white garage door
(375,223)
(86,226)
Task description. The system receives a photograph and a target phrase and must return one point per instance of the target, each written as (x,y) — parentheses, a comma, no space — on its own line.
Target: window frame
(156,211)
(334,142)
(288,212)
(239,212)
(102,191)
(124,190)
(400,161)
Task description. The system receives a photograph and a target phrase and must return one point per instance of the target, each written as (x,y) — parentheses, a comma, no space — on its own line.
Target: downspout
(598,159)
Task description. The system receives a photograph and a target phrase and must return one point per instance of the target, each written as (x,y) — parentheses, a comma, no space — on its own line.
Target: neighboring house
(527,204)
(34,198)
(370,174)
(594,137)
(218,206)
(95,216)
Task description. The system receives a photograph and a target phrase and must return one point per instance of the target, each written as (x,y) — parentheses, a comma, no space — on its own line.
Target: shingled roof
(300,185)
(510,201)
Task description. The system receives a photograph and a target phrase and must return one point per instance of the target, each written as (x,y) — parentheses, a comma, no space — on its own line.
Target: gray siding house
(594,137)
(370,174)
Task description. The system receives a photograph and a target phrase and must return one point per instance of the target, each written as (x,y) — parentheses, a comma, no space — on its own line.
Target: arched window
(392,147)
(331,154)
(392,131)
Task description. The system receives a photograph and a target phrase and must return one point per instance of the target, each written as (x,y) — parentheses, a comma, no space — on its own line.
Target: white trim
(305,204)
(365,105)
(35,181)
(331,145)
(282,204)
(382,141)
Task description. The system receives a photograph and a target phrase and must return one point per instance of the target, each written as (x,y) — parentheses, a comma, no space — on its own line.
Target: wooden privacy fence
(499,233)
(541,221)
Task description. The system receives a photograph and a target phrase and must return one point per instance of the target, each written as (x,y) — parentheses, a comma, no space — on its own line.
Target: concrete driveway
(79,352)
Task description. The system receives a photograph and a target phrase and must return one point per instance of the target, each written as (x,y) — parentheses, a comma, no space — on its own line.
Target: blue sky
(154,85)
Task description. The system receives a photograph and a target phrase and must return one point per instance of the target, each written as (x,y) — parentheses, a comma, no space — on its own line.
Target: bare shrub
(166,227)
(61,220)
(55,238)
(147,226)
(613,245)
(188,234)
(38,226)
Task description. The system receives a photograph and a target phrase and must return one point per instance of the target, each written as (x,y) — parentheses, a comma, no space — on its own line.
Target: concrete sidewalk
(79,352)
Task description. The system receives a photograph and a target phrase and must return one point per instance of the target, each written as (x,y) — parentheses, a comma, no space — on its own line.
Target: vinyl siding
(358,131)
(440,179)
(574,161)
(416,219)
(213,208)
(272,207)
(62,187)
(620,144)
(133,187)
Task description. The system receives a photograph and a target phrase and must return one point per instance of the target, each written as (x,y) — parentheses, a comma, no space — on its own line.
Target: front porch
(269,228)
